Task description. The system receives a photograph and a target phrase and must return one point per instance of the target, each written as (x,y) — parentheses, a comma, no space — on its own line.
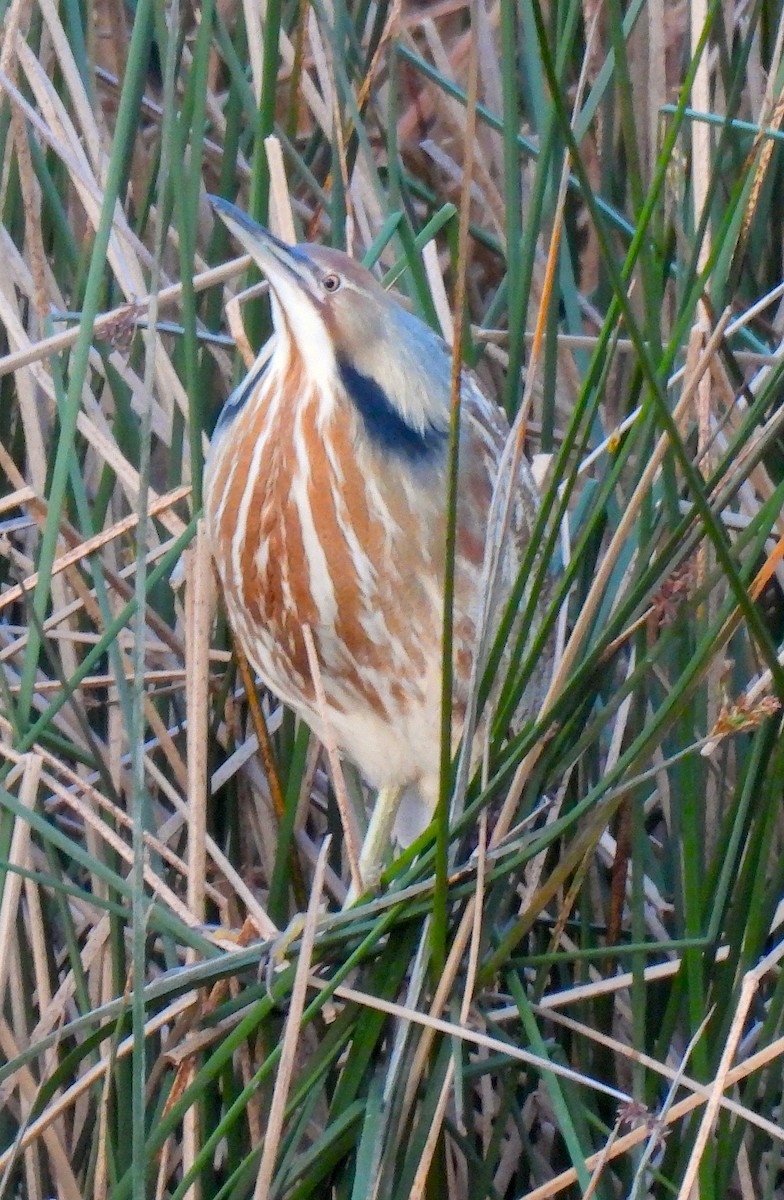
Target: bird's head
(392,366)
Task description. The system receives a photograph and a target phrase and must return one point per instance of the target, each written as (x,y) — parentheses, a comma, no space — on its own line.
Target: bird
(325,497)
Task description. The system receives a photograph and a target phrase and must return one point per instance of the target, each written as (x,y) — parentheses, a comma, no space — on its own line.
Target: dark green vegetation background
(619,946)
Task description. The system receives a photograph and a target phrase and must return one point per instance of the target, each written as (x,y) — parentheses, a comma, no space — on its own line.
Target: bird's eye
(331,283)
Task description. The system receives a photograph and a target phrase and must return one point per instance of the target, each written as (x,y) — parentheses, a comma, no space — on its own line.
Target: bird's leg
(377,839)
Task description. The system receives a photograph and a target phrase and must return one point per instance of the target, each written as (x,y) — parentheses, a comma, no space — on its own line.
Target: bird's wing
(490,467)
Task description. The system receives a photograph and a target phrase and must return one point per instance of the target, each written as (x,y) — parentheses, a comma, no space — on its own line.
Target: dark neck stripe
(239,398)
(384,425)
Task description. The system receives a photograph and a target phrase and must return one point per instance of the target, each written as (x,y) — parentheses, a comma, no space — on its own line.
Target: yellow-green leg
(377,838)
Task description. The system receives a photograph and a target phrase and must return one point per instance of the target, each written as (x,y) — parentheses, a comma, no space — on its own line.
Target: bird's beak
(279,262)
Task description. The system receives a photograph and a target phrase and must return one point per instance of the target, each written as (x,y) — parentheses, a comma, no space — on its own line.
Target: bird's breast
(305,530)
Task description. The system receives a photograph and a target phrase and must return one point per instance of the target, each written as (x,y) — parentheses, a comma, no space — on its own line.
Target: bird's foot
(371,882)
(277,956)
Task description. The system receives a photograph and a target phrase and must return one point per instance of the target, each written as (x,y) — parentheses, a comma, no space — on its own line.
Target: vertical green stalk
(512,203)
(265,120)
(139,798)
(126,118)
(439,924)
(189,214)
